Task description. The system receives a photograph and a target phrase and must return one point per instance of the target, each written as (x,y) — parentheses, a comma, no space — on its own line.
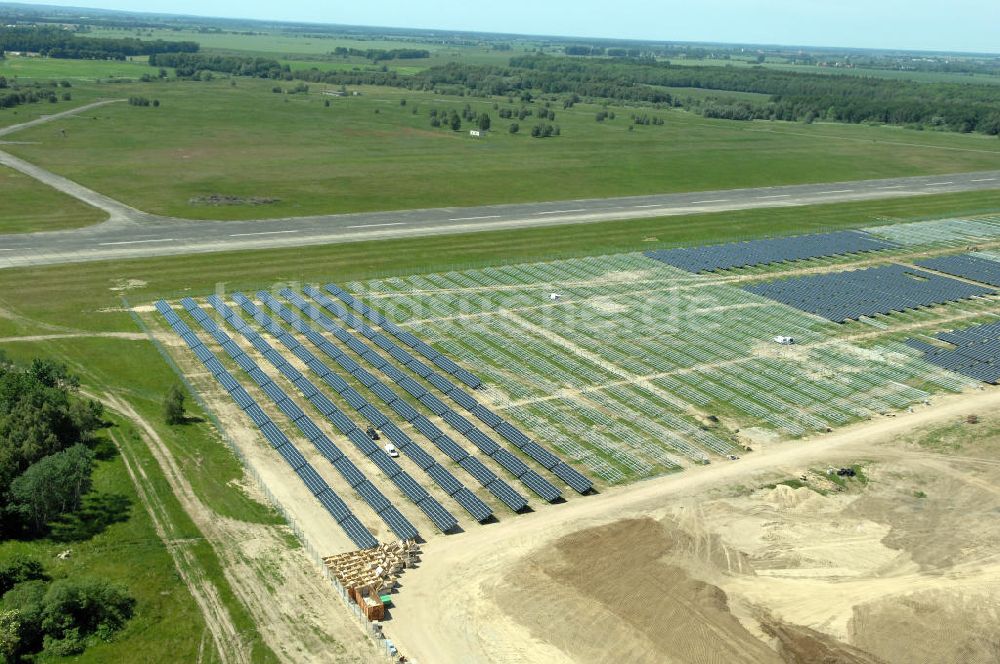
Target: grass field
(216,138)
(30,206)
(72,70)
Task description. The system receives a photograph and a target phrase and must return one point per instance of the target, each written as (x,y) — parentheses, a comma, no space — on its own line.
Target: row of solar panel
(357,533)
(535,482)
(773,250)
(842,296)
(444,363)
(443,520)
(402,528)
(512,434)
(967,266)
(478,510)
(976,353)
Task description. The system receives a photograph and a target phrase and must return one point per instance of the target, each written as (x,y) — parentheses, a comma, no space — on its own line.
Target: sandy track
(129,336)
(4,131)
(453,581)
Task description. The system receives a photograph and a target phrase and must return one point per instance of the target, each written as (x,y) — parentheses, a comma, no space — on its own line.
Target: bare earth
(711,565)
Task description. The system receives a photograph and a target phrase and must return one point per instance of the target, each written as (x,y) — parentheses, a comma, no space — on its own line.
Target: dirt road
(453,584)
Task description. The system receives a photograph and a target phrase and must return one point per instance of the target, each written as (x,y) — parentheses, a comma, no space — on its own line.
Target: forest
(59,43)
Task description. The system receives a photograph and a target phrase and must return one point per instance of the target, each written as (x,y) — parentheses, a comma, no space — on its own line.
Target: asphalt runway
(130,233)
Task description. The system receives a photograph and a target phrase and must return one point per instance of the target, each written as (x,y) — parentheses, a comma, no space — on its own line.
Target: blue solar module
(475,467)
(261,345)
(274,435)
(203,353)
(305,356)
(349,471)
(463,399)
(541,455)
(384,393)
(409,486)
(242,399)
(510,462)
(276,393)
(335,381)
(245,362)
(576,481)
(966,266)
(398,523)
(289,372)
(363,442)
(418,455)
(364,377)
(456,421)
(309,428)
(482,441)
(231,348)
(446,364)
(513,434)
(385,463)
(490,418)
(392,372)
(227,381)
(976,352)
(426,427)
(444,479)
(440,382)
(450,448)
(542,487)
(434,404)
(479,510)
(400,355)
(393,433)
(412,386)
(289,408)
(351,396)
(306,387)
(274,357)
(342,421)
(383,342)
(372,496)
(348,364)
(358,533)
(357,346)
(468,378)
(312,479)
(373,415)
(404,410)
(426,350)
(439,516)
(843,296)
(374,359)
(774,250)
(334,505)
(258,416)
(327,448)
(507,495)
(323,404)
(258,376)
(419,368)
(408,338)
(190,339)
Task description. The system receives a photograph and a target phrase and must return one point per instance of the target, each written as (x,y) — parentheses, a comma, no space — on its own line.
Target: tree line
(58,43)
(17,93)
(381,54)
(189,65)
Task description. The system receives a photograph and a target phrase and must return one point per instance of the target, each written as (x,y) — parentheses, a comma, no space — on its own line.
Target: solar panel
(257,415)
(968,266)
(289,372)
(290,409)
(312,479)
(463,399)
(459,423)
(352,397)
(385,463)
(242,399)
(364,377)
(393,433)
(356,346)
(507,495)
(404,410)
(203,354)
(450,447)
(419,368)
(418,455)
(227,381)
(372,496)
(487,416)
(342,422)
(446,364)
(349,365)
(373,415)
(439,516)
(542,487)
(308,428)
(573,478)
(349,471)
(334,505)
(426,427)
(306,387)
(513,434)
(327,449)
(444,479)
(412,386)
(400,355)
(374,359)
(392,372)
(409,486)
(479,510)
(482,441)
(440,382)
(259,376)
(771,250)
(541,455)
(274,435)
(468,378)
(362,442)
(384,393)
(509,462)
(276,393)
(323,404)
(292,455)
(475,467)
(976,352)
(358,533)
(398,523)
(434,404)
(336,382)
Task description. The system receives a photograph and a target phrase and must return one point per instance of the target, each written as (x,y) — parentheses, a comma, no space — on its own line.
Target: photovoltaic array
(776,250)
(976,353)
(843,296)
(967,266)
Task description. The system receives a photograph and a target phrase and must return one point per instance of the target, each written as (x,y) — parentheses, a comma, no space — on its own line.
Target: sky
(933,25)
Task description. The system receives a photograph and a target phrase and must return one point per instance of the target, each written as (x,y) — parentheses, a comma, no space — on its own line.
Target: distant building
(475,133)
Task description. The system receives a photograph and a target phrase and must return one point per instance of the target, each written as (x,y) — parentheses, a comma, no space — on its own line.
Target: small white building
(475,133)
